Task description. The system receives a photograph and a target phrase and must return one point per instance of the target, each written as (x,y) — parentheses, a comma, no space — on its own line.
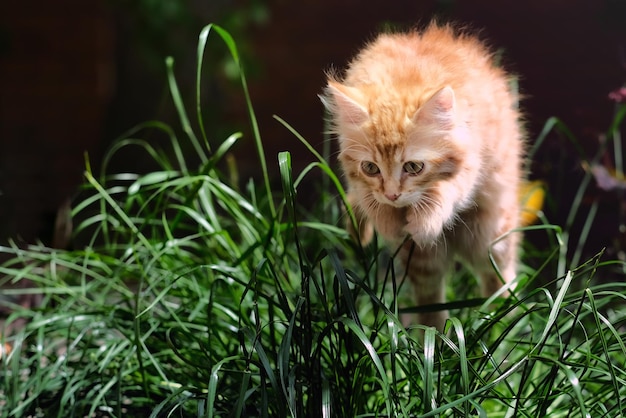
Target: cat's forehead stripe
(387,150)
(401,152)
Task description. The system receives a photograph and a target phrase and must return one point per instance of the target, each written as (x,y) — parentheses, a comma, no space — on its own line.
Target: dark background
(74,75)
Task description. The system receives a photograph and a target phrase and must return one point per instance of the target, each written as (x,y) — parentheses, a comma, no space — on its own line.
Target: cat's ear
(438,109)
(343,104)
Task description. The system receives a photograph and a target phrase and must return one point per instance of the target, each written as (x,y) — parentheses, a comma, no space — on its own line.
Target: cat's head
(392,149)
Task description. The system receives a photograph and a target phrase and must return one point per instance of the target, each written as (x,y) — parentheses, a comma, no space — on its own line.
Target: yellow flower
(532,194)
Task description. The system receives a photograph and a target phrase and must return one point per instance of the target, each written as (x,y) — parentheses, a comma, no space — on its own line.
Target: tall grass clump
(197,297)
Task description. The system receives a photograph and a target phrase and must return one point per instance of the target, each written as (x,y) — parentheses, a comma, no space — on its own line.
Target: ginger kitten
(431,148)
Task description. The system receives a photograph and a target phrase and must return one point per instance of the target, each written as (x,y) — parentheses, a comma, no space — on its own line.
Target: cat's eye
(413,167)
(370,168)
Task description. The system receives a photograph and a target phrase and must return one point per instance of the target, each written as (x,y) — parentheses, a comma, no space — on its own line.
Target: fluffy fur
(430,145)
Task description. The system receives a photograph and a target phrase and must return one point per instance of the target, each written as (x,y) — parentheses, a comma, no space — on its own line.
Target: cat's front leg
(389,223)
(427,268)
(426,220)
(426,226)
(424,231)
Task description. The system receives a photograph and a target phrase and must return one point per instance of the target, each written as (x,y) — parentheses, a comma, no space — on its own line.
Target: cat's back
(437,56)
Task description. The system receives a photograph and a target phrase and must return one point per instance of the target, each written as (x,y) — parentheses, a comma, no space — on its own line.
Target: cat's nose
(392,196)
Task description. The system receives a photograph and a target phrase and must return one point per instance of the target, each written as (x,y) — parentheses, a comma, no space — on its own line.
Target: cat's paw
(424,234)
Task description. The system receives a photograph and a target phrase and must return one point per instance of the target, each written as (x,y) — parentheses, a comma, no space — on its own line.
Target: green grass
(195,297)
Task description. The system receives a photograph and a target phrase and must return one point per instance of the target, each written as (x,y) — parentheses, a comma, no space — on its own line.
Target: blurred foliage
(168,28)
(147,32)
(160,26)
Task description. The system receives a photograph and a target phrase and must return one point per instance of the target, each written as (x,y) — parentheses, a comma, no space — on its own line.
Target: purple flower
(619,95)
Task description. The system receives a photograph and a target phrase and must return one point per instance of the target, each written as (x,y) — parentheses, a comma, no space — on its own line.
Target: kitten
(430,145)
